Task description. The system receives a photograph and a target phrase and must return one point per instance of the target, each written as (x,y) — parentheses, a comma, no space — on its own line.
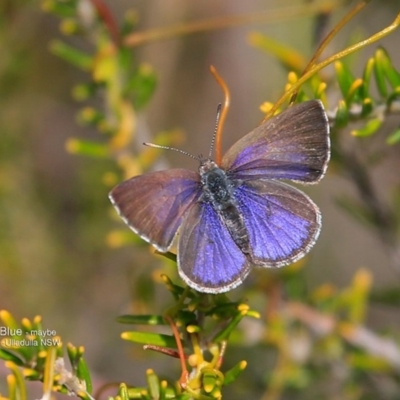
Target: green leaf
(70,54)
(289,57)
(225,333)
(367,107)
(141,319)
(155,339)
(224,311)
(124,392)
(84,91)
(393,97)
(380,80)
(344,77)
(186,317)
(87,148)
(153,384)
(7,355)
(342,115)
(8,320)
(368,70)
(41,358)
(169,255)
(18,386)
(354,91)
(389,296)
(60,8)
(73,354)
(32,375)
(49,372)
(90,116)
(394,137)
(83,374)
(368,129)
(210,381)
(233,373)
(129,23)
(368,363)
(383,59)
(142,85)
(176,290)
(70,26)
(27,326)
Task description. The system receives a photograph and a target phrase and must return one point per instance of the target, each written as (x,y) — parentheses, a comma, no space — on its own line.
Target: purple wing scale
(282,222)
(154,205)
(293,145)
(208,258)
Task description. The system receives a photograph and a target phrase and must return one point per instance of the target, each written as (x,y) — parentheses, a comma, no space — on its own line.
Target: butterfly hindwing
(293,145)
(282,222)
(208,258)
(154,204)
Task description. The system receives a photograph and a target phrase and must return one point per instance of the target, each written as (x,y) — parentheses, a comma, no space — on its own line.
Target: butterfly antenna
(157,146)
(223,113)
(215,131)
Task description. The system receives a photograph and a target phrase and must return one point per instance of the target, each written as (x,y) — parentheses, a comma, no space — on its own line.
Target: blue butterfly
(238,214)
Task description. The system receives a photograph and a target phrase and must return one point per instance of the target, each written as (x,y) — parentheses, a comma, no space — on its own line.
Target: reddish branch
(105,14)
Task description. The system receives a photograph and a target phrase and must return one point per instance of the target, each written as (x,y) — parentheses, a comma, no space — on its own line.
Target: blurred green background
(54,212)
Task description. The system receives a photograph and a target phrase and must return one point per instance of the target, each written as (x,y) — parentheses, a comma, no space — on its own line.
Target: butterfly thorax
(218,189)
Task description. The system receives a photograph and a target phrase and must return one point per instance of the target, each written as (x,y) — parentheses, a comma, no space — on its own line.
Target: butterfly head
(206,166)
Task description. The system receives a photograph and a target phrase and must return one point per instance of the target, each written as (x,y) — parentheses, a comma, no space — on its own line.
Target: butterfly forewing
(293,145)
(208,258)
(282,222)
(155,204)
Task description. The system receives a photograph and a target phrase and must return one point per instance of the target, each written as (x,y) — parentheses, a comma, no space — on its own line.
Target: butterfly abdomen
(218,190)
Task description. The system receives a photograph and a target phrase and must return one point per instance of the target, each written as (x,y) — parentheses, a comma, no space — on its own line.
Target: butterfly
(239,214)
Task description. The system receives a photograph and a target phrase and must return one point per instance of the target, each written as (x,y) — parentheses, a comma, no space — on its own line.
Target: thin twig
(357,335)
(210,24)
